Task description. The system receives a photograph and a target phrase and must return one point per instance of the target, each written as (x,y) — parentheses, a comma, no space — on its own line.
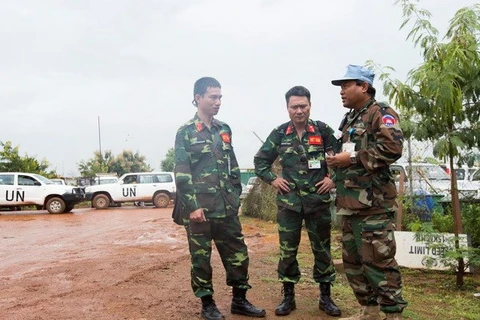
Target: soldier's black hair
(298,91)
(370,91)
(201,86)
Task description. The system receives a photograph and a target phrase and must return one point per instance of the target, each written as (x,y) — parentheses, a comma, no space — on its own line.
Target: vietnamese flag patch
(315,140)
(225,137)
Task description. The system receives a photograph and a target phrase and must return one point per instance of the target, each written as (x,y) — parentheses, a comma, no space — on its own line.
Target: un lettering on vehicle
(129,192)
(17,196)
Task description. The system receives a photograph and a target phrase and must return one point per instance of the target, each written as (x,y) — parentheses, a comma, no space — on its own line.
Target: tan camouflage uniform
(366,198)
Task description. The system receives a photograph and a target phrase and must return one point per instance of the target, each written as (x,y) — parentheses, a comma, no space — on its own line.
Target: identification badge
(348,147)
(314,164)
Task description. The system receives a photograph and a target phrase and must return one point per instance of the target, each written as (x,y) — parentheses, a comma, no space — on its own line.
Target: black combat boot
(288,303)
(240,305)
(209,309)
(326,303)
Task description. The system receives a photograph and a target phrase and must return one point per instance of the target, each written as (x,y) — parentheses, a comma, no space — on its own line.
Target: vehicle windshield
(430,172)
(43,179)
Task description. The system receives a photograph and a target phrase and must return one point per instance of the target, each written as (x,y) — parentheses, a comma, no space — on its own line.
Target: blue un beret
(356,72)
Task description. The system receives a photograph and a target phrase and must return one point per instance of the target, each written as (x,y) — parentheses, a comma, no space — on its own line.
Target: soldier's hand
(281,185)
(340,160)
(325,185)
(197,216)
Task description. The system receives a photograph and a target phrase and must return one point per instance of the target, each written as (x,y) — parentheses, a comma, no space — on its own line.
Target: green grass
(430,294)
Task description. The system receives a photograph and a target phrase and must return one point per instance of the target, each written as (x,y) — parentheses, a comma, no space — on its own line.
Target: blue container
(425,204)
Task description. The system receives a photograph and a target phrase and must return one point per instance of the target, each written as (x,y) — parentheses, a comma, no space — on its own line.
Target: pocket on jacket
(358,193)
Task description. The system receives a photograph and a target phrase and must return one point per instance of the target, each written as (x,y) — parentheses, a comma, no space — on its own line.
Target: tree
(98,164)
(127,161)
(124,162)
(168,164)
(11,161)
(442,95)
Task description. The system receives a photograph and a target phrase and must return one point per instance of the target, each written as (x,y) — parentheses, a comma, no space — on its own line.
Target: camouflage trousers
(228,238)
(318,227)
(369,260)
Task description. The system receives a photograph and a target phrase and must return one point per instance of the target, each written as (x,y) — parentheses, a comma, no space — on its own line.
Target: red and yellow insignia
(310,128)
(225,137)
(315,140)
(289,129)
(199,126)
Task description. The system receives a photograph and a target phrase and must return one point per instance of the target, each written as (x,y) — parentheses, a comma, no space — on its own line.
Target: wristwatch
(353,157)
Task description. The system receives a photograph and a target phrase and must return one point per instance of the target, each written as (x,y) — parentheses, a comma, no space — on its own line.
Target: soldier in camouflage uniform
(366,195)
(208,186)
(303,195)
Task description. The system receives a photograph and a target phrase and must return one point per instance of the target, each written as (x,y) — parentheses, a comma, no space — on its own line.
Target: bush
(260,202)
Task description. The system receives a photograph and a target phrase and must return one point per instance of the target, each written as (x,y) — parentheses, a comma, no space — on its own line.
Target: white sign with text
(411,252)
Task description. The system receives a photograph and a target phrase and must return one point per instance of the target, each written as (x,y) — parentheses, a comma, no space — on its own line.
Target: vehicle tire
(101,201)
(55,205)
(161,200)
(69,208)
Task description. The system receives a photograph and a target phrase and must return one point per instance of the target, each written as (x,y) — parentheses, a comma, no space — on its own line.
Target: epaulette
(189,122)
(382,105)
(221,123)
(281,128)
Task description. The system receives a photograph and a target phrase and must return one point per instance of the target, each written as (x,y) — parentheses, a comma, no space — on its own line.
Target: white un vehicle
(156,187)
(19,189)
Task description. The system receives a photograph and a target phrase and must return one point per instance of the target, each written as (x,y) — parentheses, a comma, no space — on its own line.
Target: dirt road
(120,263)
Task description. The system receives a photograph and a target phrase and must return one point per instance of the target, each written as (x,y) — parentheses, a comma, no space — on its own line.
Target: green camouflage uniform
(207,176)
(366,198)
(302,202)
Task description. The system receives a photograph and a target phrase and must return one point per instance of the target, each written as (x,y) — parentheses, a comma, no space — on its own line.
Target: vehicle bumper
(77,196)
(88,196)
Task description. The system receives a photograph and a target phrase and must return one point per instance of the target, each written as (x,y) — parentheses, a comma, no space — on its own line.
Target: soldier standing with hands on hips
(366,195)
(303,194)
(208,198)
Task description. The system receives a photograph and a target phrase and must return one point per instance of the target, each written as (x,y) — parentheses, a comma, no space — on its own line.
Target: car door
(8,190)
(29,190)
(126,189)
(147,186)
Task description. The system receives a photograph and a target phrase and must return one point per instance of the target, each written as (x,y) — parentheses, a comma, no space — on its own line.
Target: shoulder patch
(389,120)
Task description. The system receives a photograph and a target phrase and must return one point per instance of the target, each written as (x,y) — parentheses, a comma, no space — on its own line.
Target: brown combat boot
(369,313)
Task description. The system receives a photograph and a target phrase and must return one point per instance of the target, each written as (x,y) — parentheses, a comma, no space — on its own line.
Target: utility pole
(99,138)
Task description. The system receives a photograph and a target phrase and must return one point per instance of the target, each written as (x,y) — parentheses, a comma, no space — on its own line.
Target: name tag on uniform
(348,147)
(314,164)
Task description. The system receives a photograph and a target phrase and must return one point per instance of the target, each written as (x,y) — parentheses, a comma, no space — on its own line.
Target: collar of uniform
(310,127)
(200,125)
(364,107)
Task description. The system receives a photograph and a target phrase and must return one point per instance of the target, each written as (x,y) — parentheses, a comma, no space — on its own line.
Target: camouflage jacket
(295,157)
(367,187)
(206,169)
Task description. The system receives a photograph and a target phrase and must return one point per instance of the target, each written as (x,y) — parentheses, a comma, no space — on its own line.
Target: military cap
(356,72)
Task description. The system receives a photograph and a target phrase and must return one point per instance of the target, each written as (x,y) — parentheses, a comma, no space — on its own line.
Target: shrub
(260,202)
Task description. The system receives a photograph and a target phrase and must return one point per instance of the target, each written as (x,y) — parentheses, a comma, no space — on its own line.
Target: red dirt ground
(122,263)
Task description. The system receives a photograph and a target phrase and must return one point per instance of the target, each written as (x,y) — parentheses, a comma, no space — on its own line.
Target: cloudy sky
(132,64)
